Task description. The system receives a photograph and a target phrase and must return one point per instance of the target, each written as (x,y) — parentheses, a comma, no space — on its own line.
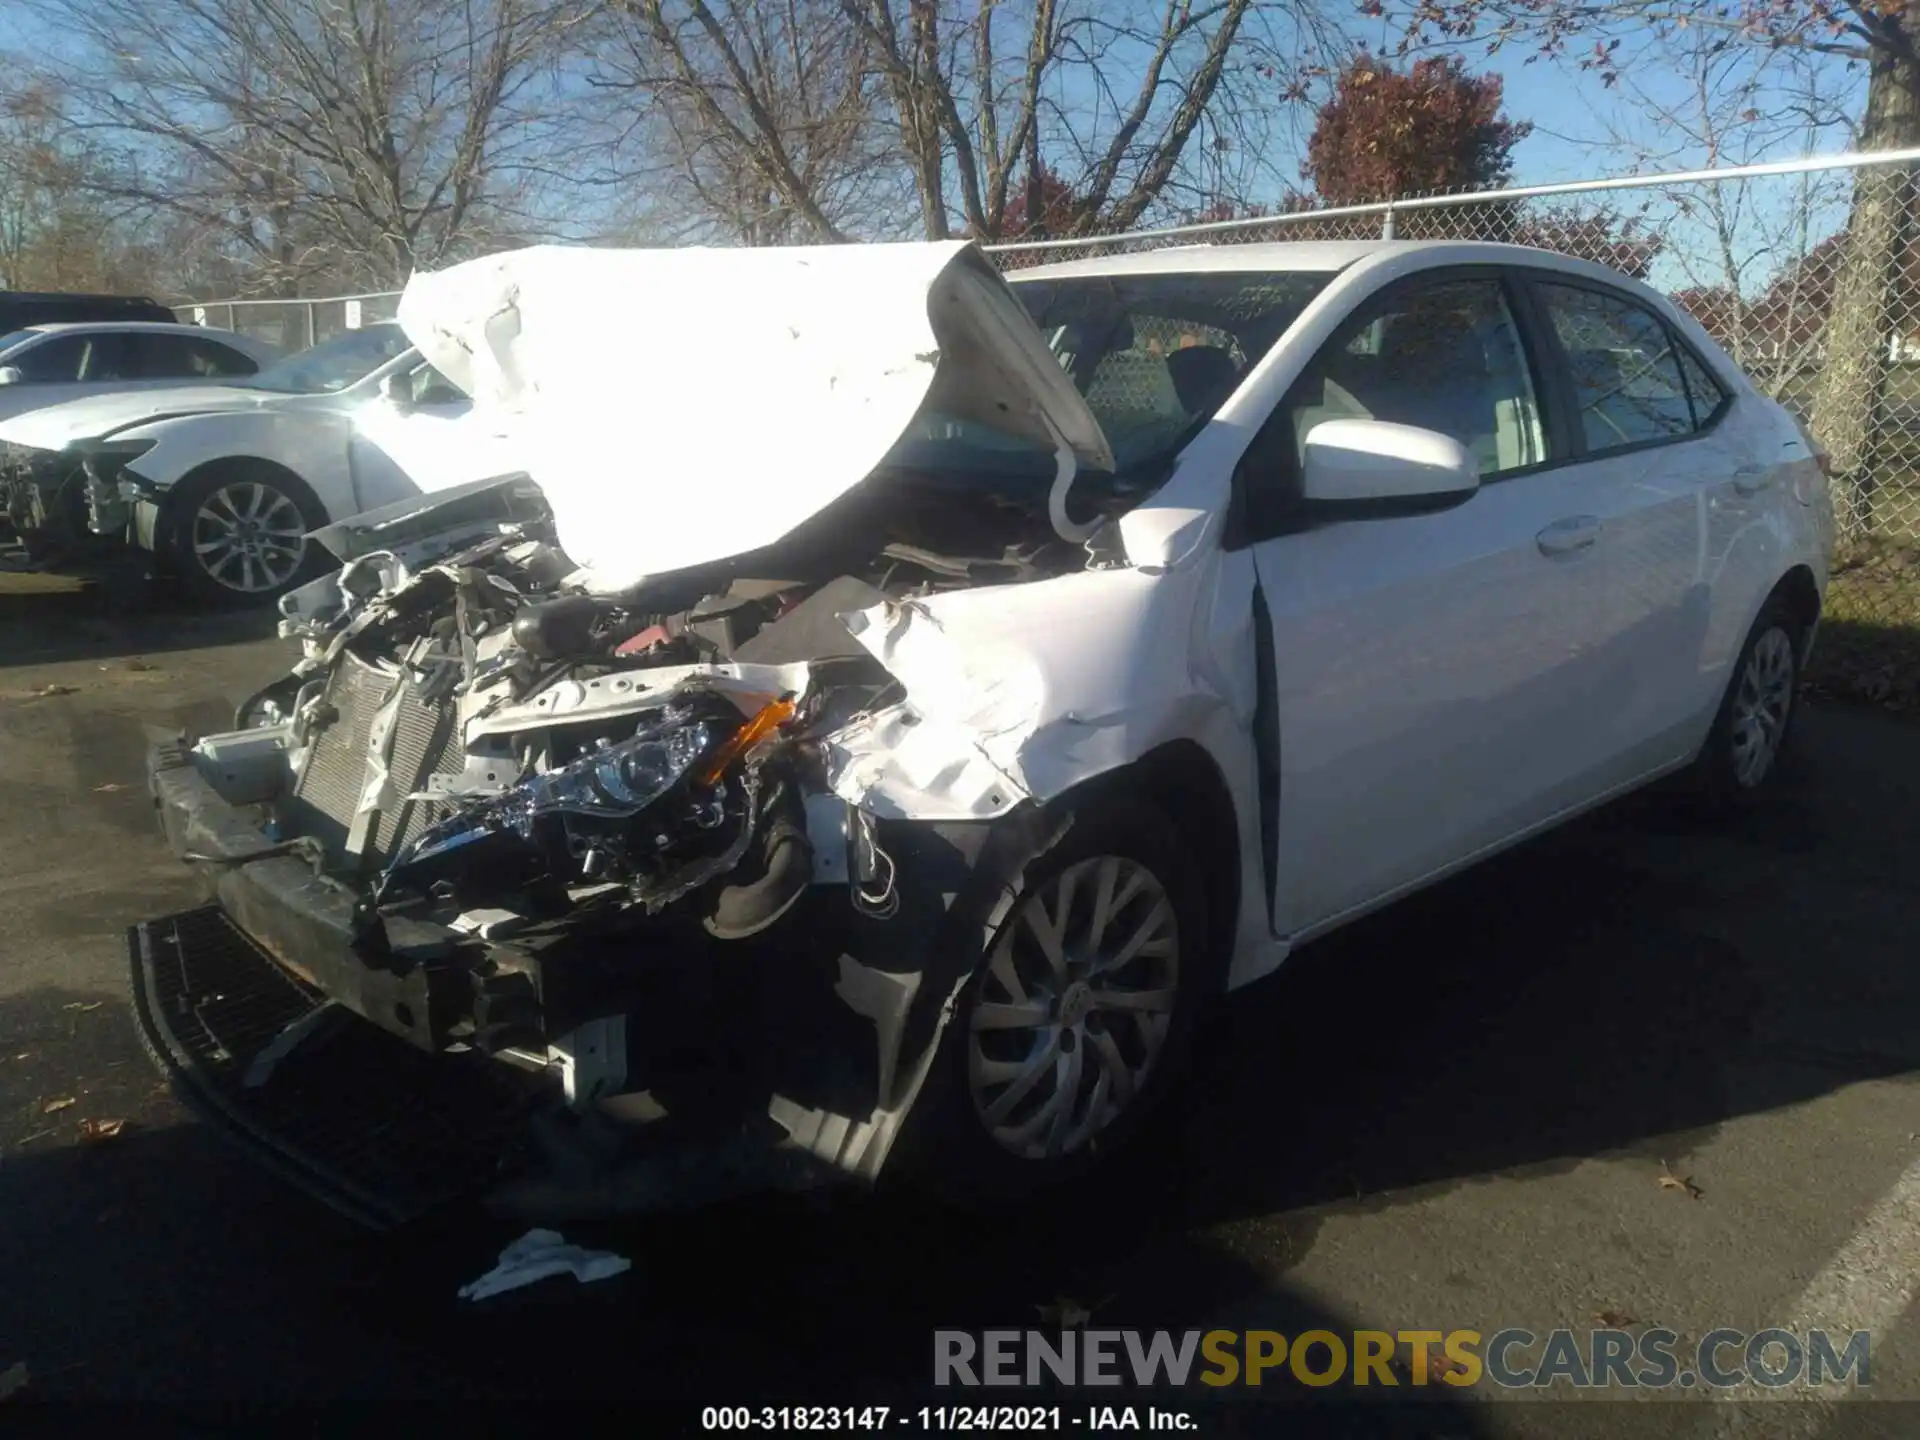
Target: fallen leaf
(53,1105)
(138,665)
(49,690)
(13,1380)
(1682,1183)
(24,1055)
(1068,1314)
(108,788)
(83,1005)
(1440,1364)
(1615,1319)
(101,1129)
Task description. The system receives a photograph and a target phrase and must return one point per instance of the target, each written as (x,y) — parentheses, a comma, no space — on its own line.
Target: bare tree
(981,115)
(1742,252)
(343,141)
(55,234)
(1884,36)
(757,120)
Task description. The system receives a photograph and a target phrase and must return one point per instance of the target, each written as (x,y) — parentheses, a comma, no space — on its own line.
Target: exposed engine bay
(547,816)
(603,756)
(689,778)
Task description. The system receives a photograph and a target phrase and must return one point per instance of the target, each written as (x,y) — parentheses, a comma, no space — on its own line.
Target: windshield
(13,338)
(1154,355)
(334,364)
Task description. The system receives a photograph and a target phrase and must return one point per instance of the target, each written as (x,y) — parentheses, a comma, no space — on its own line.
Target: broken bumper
(379,1131)
(412,987)
(779,1065)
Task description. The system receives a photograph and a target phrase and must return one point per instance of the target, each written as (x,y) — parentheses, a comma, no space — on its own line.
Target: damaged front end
(658,805)
(589,845)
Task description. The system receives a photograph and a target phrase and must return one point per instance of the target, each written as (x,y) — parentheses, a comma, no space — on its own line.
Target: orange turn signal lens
(768,719)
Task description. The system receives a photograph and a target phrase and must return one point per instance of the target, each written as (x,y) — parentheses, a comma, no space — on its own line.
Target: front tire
(236,536)
(1750,732)
(1080,1016)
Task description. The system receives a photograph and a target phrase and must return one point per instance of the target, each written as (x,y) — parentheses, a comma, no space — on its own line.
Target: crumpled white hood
(682,406)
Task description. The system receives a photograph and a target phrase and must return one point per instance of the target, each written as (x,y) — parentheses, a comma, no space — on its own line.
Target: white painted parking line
(1867,1285)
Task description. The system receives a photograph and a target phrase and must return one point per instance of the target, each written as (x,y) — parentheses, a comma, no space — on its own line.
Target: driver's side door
(1415,668)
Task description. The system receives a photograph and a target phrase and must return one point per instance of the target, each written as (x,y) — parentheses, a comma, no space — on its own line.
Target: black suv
(22,308)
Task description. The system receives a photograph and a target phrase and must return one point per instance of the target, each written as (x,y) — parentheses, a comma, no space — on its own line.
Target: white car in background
(222,482)
(49,364)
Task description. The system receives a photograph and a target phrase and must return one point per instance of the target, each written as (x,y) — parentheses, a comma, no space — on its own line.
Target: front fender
(311,445)
(1017,694)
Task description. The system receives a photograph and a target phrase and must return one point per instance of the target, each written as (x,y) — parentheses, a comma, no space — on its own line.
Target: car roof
(261,352)
(1312,256)
(163,327)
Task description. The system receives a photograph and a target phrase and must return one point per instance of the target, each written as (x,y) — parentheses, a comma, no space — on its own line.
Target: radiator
(426,741)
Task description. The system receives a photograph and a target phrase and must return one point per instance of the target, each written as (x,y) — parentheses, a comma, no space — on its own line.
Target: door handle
(1564,537)
(1751,479)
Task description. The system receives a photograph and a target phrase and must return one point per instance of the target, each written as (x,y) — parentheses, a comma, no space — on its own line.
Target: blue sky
(1572,110)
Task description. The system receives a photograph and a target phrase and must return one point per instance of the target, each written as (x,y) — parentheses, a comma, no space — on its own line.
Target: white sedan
(222,481)
(950,706)
(51,364)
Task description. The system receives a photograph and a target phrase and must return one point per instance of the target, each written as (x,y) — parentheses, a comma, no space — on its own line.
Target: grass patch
(1869,645)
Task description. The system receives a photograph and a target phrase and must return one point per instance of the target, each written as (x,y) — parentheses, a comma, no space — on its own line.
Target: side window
(1706,393)
(173,357)
(53,361)
(1445,356)
(110,357)
(224,360)
(1626,375)
(169,357)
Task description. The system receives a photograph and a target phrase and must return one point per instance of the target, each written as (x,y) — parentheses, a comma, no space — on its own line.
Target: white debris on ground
(539,1254)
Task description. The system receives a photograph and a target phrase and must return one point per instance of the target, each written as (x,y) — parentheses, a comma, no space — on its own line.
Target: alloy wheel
(1761,702)
(1074,1007)
(249,536)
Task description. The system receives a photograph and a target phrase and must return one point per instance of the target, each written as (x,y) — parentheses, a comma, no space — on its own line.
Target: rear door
(1421,670)
(1654,463)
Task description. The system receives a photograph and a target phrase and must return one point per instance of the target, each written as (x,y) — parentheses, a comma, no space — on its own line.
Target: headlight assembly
(621,779)
(580,818)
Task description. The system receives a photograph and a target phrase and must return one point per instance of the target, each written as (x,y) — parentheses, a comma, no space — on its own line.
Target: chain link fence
(293,325)
(1807,272)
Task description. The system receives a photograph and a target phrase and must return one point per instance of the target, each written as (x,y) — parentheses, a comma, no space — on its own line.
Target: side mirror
(397,390)
(11,375)
(1357,469)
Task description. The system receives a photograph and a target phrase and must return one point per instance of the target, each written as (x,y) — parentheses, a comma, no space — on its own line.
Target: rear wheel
(1743,750)
(237,535)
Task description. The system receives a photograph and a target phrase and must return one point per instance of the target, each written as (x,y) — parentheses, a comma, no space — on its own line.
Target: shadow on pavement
(155,1269)
(1621,987)
(107,610)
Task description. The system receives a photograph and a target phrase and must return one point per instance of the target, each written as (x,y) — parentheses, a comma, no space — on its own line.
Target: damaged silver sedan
(881,747)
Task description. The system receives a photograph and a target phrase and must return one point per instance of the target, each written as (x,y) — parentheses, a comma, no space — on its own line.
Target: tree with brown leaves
(1388,133)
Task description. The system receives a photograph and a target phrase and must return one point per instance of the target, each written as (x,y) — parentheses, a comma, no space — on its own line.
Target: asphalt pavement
(1647,1068)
